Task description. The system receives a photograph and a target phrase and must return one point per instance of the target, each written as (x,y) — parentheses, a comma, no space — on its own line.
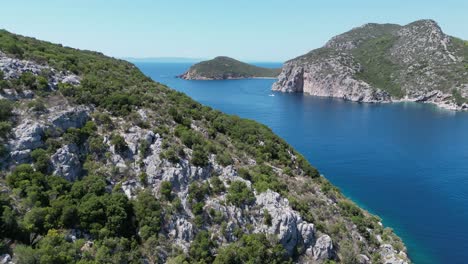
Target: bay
(405,162)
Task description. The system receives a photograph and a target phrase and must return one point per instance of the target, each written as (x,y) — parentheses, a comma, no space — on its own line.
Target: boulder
(323,248)
(66,162)
(391,256)
(292,231)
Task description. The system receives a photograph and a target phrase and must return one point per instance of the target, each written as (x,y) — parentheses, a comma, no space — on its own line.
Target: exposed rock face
(286,223)
(28,134)
(66,162)
(14,68)
(417,62)
(5,259)
(317,79)
(323,248)
(26,137)
(390,256)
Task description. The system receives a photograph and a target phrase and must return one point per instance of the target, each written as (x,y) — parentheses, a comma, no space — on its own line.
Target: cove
(405,162)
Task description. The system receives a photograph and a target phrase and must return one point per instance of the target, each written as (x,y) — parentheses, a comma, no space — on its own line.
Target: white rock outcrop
(66,162)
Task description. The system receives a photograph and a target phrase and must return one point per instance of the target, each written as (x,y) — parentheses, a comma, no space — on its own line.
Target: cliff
(222,68)
(102,165)
(384,63)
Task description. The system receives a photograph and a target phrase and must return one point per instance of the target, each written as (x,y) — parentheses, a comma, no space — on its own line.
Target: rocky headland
(384,63)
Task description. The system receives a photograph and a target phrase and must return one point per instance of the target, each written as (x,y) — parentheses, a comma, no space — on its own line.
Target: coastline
(442,104)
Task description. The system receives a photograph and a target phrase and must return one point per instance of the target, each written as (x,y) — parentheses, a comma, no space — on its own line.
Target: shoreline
(445,105)
(224,79)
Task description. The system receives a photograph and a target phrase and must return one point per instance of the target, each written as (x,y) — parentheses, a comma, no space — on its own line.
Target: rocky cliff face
(384,63)
(148,150)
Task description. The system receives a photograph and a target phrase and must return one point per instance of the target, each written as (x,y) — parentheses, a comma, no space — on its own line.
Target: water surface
(406,162)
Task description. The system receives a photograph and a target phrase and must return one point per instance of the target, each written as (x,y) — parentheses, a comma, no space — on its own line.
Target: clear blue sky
(254,30)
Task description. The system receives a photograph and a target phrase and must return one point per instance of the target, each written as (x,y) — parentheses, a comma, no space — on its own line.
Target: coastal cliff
(384,63)
(224,68)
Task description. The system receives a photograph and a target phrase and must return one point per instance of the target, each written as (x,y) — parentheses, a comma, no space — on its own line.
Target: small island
(224,68)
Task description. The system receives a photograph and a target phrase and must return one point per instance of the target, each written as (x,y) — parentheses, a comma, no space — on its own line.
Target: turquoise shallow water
(406,162)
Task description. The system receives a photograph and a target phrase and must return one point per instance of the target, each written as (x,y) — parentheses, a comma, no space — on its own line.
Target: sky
(250,30)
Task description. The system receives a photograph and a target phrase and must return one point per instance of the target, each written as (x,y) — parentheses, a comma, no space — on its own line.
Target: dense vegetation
(377,67)
(227,68)
(42,214)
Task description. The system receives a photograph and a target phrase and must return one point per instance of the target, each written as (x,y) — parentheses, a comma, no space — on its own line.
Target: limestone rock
(62,118)
(66,162)
(323,248)
(5,259)
(292,231)
(131,188)
(391,256)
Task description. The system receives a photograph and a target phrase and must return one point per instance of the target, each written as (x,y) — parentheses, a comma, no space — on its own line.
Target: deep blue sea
(405,162)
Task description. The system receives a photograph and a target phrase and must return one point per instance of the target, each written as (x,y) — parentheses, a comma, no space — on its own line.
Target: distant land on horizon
(164,59)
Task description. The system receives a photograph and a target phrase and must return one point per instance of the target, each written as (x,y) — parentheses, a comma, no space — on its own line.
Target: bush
(5,129)
(267,217)
(119,143)
(239,194)
(253,248)
(217,185)
(37,105)
(224,159)
(199,156)
(6,109)
(166,190)
(148,214)
(41,160)
(28,80)
(201,250)
(171,155)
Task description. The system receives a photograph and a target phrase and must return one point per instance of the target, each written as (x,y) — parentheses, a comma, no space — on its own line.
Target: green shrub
(171,155)
(119,143)
(5,129)
(239,194)
(37,105)
(6,109)
(202,247)
(199,156)
(253,248)
(166,190)
(224,159)
(41,160)
(217,185)
(267,217)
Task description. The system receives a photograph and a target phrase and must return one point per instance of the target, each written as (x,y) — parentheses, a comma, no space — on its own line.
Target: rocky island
(100,164)
(384,63)
(223,68)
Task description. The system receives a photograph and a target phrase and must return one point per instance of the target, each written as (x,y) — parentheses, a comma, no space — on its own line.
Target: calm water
(407,163)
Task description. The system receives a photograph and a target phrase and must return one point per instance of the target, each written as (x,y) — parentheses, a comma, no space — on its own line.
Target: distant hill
(385,63)
(222,68)
(165,59)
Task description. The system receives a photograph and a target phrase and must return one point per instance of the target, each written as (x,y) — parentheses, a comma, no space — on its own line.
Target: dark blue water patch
(406,162)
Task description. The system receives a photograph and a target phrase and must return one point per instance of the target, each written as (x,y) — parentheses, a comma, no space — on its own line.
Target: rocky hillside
(385,63)
(102,165)
(222,68)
